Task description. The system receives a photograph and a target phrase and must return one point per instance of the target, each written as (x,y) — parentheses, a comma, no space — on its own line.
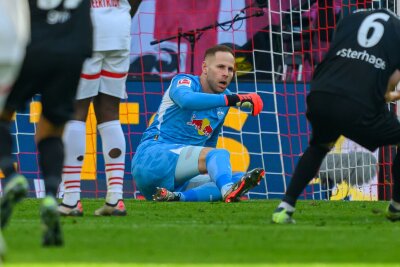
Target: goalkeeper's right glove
(252,101)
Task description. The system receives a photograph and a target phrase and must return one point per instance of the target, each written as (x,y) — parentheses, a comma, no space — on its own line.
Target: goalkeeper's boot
(282,216)
(162,194)
(392,213)
(14,192)
(117,209)
(247,182)
(74,211)
(52,234)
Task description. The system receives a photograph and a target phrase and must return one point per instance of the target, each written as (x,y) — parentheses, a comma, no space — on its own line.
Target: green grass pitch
(327,233)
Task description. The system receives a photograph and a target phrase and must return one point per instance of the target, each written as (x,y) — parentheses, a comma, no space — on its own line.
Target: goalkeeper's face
(218,71)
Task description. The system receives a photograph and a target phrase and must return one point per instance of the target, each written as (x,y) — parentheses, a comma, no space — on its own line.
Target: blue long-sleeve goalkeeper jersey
(187,115)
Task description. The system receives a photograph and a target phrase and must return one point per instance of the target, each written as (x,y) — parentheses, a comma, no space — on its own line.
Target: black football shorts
(55,77)
(332,115)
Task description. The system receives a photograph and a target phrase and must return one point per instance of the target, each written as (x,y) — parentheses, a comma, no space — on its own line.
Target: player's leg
(200,188)
(305,171)
(114,147)
(14,35)
(324,136)
(154,165)
(385,130)
(15,190)
(6,159)
(207,192)
(217,163)
(248,181)
(58,96)
(16,184)
(8,73)
(106,105)
(2,248)
(187,177)
(51,158)
(377,130)
(393,209)
(74,136)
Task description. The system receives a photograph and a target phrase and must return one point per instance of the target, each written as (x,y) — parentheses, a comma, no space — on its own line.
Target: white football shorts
(14,35)
(105,72)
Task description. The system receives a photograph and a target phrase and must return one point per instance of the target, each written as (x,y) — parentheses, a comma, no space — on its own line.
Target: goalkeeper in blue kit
(176,159)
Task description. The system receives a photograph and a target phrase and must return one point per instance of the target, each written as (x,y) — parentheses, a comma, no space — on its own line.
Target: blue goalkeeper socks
(206,192)
(236,176)
(219,168)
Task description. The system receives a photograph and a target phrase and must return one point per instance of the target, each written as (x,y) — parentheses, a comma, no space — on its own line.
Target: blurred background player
(102,83)
(14,36)
(180,143)
(348,97)
(61,39)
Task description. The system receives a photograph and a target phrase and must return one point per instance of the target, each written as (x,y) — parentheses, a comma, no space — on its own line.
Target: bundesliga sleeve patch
(184,82)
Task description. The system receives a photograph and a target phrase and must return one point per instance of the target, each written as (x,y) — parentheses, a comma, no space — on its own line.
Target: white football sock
(395,204)
(286,206)
(113,140)
(225,188)
(75,143)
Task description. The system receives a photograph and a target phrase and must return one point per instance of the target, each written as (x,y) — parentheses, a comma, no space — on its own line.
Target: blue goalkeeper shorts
(154,166)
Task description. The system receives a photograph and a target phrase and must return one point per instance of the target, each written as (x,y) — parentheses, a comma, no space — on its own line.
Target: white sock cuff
(71,198)
(395,204)
(225,188)
(76,125)
(74,129)
(286,206)
(107,124)
(112,137)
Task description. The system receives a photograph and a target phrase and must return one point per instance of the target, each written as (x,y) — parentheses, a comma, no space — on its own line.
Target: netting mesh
(277,49)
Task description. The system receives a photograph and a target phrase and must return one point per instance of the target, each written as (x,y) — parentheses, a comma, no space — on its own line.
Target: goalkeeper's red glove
(252,101)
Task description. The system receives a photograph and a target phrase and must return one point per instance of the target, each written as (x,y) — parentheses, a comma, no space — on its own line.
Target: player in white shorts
(103,84)
(14,35)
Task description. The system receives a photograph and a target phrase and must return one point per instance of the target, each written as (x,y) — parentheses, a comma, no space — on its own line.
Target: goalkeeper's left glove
(252,101)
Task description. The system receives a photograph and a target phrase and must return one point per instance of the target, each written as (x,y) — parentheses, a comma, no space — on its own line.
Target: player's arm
(186,98)
(391,93)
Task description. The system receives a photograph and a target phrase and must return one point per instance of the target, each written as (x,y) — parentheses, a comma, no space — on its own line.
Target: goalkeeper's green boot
(52,235)
(14,192)
(282,216)
(392,213)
